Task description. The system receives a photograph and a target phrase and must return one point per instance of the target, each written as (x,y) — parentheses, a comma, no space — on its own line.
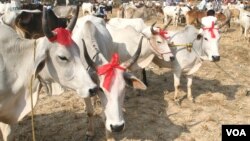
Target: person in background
(101,11)
(202,4)
(169,2)
(218,5)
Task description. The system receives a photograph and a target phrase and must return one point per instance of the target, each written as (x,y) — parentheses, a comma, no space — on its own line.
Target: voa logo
(236,132)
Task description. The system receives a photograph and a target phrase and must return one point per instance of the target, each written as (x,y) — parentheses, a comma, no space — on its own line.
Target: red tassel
(62,36)
(163,33)
(108,71)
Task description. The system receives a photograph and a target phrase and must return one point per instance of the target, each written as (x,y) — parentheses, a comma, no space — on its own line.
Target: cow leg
(6,132)
(189,89)
(177,76)
(242,30)
(90,113)
(174,20)
(144,77)
(245,33)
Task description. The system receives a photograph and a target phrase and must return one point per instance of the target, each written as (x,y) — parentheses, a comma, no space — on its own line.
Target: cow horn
(152,28)
(72,23)
(134,58)
(89,61)
(47,32)
(168,23)
(189,7)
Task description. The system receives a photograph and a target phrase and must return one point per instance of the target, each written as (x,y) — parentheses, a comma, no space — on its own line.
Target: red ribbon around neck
(108,71)
(163,33)
(62,36)
(211,30)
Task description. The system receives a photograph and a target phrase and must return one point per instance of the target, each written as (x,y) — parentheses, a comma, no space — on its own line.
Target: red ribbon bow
(163,33)
(62,36)
(211,30)
(108,71)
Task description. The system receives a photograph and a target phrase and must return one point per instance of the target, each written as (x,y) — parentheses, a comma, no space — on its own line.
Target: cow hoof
(191,99)
(248,93)
(89,138)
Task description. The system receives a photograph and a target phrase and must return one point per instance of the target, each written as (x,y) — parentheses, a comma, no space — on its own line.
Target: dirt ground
(221,97)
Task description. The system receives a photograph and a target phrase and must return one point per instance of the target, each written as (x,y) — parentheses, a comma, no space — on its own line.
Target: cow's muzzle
(172,58)
(116,128)
(216,58)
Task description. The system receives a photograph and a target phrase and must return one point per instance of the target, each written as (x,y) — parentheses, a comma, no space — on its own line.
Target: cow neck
(198,49)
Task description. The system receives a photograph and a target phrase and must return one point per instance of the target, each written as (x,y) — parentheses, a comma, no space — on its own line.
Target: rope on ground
(233,78)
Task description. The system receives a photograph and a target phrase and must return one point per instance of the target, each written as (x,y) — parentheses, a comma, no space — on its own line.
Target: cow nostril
(93,91)
(116,128)
(216,58)
(172,58)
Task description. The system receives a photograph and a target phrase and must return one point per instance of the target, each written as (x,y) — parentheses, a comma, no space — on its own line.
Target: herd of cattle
(95,57)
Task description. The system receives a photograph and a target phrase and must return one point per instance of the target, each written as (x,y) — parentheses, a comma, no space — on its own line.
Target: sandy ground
(221,98)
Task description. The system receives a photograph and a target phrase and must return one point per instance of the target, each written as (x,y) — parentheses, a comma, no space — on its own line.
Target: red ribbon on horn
(211,30)
(163,33)
(63,37)
(108,71)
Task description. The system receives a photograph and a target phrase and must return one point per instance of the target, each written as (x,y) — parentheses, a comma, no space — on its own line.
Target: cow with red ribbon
(28,64)
(107,71)
(113,77)
(204,46)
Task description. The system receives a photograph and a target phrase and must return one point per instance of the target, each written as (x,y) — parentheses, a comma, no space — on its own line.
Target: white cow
(210,6)
(23,61)
(88,8)
(156,46)
(153,44)
(99,48)
(12,6)
(244,21)
(2,8)
(136,23)
(204,46)
(173,12)
(64,11)
(184,10)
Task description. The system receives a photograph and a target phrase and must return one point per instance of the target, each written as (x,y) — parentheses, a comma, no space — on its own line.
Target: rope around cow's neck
(189,46)
(31,97)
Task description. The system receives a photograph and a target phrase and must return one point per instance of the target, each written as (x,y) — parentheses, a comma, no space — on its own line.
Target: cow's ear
(133,81)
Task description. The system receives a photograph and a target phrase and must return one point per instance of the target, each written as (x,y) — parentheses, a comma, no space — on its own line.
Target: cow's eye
(63,58)
(158,42)
(206,39)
